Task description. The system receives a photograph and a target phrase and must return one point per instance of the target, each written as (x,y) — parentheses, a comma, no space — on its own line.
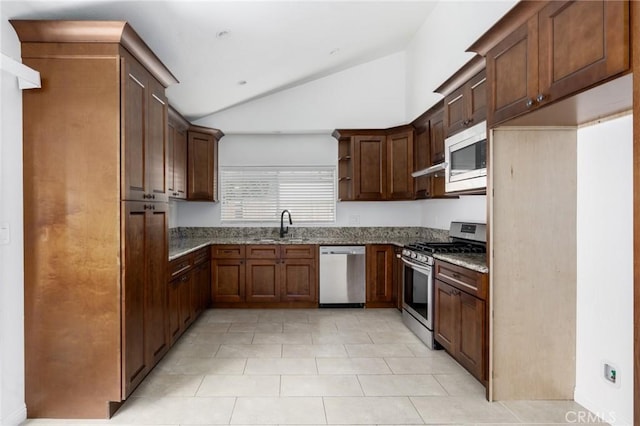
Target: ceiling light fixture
(222,35)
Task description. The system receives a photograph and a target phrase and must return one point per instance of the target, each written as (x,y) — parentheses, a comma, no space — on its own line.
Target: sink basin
(264,240)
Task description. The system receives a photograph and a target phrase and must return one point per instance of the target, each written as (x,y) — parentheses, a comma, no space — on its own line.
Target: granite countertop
(186,240)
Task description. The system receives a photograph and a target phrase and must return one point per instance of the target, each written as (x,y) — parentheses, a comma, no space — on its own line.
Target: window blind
(259,194)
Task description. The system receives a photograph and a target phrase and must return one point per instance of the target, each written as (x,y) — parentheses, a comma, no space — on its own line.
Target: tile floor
(314,367)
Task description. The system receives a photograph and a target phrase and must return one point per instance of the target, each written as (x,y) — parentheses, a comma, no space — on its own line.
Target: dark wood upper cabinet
(437,132)
(370,167)
(177,155)
(202,159)
(400,163)
(542,52)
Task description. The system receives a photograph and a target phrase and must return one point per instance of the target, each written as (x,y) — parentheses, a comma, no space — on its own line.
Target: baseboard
(15,418)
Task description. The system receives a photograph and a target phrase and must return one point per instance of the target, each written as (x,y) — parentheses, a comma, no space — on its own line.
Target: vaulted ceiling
(228,52)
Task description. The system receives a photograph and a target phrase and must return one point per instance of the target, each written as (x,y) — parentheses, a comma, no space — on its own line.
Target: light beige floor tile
(263,411)
(364,325)
(393,337)
(369,350)
(307,327)
(210,327)
(249,351)
(174,410)
(433,365)
(218,338)
(314,351)
(461,409)
(281,366)
(193,350)
(158,384)
(460,384)
(352,337)
(233,315)
(421,350)
(370,410)
(261,327)
(352,366)
(239,385)
(401,385)
(329,385)
(550,411)
(208,366)
(282,338)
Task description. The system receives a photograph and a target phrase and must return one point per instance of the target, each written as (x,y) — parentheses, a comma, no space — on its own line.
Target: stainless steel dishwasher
(342,276)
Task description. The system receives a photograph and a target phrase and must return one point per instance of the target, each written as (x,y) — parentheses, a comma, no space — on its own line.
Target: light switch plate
(5,234)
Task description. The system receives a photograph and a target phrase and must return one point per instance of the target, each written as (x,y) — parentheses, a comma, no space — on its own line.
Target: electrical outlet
(354,219)
(610,373)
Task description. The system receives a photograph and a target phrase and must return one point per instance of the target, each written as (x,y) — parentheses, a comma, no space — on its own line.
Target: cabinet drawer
(200,256)
(180,265)
(298,251)
(263,252)
(472,282)
(227,252)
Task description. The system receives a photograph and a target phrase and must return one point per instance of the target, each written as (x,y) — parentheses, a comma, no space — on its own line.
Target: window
(259,194)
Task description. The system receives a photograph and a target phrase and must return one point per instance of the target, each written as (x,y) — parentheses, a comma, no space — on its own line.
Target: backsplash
(348,233)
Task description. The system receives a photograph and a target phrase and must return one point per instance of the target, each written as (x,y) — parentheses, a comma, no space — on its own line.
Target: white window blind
(259,194)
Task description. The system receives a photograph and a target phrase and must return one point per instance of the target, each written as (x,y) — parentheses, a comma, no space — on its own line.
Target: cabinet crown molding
(216,133)
(178,120)
(56,31)
(468,70)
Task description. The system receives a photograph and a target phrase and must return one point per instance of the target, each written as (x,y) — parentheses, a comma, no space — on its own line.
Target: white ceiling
(272,45)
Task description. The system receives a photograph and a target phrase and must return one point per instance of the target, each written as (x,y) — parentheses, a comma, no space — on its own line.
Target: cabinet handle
(529,103)
(184,278)
(540,97)
(149,207)
(455,275)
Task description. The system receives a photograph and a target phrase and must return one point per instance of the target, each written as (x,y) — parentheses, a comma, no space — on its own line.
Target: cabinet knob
(540,97)
(529,103)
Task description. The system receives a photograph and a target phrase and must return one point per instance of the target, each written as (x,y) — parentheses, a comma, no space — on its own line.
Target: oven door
(418,292)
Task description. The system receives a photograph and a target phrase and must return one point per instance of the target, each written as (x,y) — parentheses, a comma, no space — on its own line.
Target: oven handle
(420,268)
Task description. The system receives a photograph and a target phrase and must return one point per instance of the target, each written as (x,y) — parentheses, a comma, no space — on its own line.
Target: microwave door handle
(420,268)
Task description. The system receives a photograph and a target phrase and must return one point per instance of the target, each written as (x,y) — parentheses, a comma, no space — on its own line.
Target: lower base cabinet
(188,290)
(266,275)
(380,261)
(461,317)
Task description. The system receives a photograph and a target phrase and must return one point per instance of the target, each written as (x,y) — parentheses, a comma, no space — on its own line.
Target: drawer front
(201,256)
(263,252)
(180,265)
(294,251)
(227,252)
(471,282)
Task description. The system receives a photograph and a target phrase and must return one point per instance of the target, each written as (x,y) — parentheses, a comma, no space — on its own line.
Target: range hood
(430,170)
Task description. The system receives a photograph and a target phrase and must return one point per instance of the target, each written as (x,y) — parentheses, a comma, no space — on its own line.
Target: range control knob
(413,255)
(422,258)
(406,252)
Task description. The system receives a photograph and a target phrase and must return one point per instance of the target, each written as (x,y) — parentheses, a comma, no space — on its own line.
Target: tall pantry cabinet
(95,215)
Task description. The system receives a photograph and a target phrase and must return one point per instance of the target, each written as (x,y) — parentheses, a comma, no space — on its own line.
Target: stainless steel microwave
(465,156)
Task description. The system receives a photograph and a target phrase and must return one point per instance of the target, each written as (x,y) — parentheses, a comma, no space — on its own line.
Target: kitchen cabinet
(558,49)
(265,275)
(227,274)
(465,97)
(177,155)
(202,157)
(94,140)
(436,137)
(398,271)
(375,165)
(461,316)
(380,276)
(188,289)
(144,110)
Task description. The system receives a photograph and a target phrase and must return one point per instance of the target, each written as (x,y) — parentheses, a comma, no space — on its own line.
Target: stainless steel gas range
(418,295)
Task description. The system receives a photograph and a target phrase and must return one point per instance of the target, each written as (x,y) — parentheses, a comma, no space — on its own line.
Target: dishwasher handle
(353,250)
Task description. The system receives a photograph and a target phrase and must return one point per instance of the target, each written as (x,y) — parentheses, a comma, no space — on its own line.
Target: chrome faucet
(282,228)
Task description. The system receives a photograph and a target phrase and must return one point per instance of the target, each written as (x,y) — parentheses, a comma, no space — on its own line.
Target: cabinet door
(580,44)
(437,130)
(156,238)
(177,162)
(512,73)
(201,151)
(135,88)
(227,280)
(476,97)
(202,283)
(156,144)
(133,298)
(455,112)
(298,280)
(370,167)
(262,280)
(400,165)
(173,312)
(471,336)
(422,160)
(185,304)
(446,316)
(380,276)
